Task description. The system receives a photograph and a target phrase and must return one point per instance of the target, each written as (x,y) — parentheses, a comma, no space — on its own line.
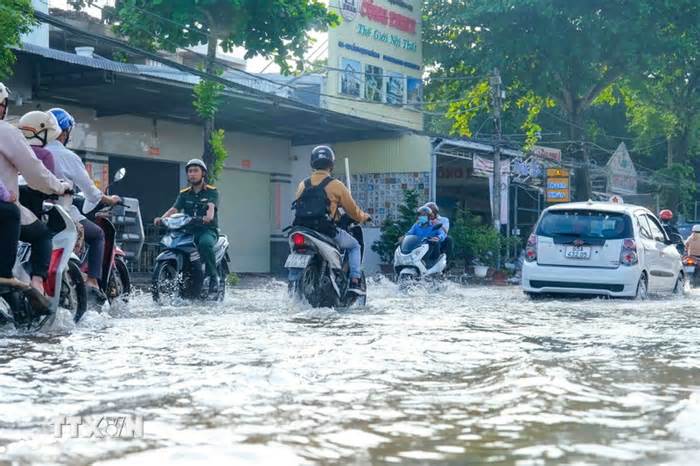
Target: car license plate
(689,269)
(297,261)
(578,252)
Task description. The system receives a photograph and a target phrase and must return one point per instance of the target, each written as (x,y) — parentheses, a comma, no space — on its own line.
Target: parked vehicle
(179,271)
(411,263)
(64,285)
(604,249)
(319,271)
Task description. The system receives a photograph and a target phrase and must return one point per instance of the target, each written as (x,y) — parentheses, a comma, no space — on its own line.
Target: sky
(254,65)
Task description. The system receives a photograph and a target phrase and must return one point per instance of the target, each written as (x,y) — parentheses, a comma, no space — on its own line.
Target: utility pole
(496,105)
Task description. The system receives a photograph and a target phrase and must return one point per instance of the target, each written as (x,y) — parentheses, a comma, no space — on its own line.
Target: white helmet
(196,163)
(696,228)
(39,128)
(4,97)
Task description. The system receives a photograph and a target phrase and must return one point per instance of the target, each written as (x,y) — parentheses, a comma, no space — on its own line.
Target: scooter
(411,264)
(690,266)
(115,281)
(179,272)
(319,271)
(64,285)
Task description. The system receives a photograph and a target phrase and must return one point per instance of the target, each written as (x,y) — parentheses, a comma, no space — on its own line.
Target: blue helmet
(65,120)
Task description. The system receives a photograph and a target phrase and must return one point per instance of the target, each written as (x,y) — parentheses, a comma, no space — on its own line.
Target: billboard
(375,57)
(558,186)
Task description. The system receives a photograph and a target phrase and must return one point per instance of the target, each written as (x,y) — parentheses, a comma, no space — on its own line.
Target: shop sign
(558,187)
(622,176)
(547,153)
(383,16)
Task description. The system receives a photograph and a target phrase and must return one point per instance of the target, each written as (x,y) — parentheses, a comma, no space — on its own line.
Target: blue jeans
(346,241)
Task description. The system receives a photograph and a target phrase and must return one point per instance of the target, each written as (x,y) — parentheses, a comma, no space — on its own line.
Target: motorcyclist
(692,244)
(425,228)
(38,128)
(17,157)
(69,166)
(446,244)
(337,195)
(200,200)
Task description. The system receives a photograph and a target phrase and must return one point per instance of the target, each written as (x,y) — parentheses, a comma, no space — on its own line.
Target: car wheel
(642,289)
(679,289)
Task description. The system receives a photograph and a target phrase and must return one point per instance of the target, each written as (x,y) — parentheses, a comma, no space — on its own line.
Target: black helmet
(322,158)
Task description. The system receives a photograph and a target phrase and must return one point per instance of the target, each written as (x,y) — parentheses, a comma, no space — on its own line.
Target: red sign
(246,164)
(153,151)
(383,16)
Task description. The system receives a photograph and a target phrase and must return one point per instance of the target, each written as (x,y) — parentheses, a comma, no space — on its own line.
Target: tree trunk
(209,124)
(582,156)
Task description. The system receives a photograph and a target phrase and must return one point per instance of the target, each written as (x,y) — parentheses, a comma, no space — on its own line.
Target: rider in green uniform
(200,200)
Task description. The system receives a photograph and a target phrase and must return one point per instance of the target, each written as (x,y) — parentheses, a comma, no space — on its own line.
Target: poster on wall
(414,90)
(395,89)
(374,83)
(350,77)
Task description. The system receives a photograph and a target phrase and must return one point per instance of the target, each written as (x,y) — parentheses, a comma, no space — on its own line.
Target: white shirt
(70,167)
(445,223)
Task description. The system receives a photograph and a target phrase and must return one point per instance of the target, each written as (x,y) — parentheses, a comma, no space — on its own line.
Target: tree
(276,29)
(16,18)
(393,228)
(568,51)
(664,99)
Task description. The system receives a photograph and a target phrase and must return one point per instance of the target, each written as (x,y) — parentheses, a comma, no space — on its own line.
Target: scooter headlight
(167,241)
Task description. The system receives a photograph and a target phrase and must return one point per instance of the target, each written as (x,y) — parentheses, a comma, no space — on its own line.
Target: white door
(669,255)
(652,257)
(664,273)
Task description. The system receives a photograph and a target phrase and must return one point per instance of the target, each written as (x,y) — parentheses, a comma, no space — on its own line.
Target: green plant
(220,154)
(477,242)
(233,279)
(16,18)
(392,228)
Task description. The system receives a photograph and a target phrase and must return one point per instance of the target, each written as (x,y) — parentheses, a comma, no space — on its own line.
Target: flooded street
(465,376)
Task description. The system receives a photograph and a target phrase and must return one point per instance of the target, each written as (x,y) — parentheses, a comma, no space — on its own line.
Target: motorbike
(115,281)
(411,263)
(179,272)
(690,266)
(319,271)
(64,285)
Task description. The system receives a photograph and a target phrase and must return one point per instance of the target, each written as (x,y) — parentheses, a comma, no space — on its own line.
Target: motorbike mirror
(119,175)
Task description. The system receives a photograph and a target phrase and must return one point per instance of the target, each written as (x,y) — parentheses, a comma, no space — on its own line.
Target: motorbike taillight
(298,240)
(689,261)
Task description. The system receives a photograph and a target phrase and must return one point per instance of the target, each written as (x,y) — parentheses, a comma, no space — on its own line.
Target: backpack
(311,209)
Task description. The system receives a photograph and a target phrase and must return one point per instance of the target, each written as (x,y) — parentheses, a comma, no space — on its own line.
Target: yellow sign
(557,172)
(558,188)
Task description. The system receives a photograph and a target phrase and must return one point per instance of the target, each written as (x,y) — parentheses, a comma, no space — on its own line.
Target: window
(656,230)
(585,224)
(644,229)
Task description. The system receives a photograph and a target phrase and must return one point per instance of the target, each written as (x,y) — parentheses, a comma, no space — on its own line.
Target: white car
(596,248)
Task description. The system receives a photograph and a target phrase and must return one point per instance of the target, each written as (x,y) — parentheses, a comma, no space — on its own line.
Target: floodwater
(469,375)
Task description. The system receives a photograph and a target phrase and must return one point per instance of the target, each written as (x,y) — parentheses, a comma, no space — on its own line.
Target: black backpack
(312,208)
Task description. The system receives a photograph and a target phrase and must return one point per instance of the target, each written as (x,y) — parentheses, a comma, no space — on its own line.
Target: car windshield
(585,224)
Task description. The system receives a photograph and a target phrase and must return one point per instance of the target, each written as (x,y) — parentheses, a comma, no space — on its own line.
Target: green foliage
(233,279)
(476,242)
(393,228)
(207,98)
(676,188)
(563,52)
(16,18)
(219,152)
(276,29)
